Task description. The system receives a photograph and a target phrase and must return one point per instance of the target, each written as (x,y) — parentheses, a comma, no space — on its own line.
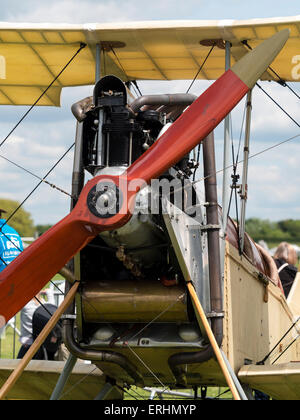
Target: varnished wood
(38,343)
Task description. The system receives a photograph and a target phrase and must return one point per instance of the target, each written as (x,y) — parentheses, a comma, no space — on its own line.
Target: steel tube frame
(227,152)
(98,63)
(63,379)
(244,189)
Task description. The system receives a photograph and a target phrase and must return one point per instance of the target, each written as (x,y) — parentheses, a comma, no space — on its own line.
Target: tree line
(22,220)
(274,232)
(258,229)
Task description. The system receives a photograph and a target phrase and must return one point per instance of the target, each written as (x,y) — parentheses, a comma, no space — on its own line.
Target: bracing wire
(280,81)
(234,164)
(277,104)
(250,157)
(35,176)
(37,186)
(82,46)
(189,88)
(262,362)
(286,349)
(28,196)
(201,67)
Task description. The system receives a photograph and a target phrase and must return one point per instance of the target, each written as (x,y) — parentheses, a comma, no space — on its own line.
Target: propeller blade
(24,277)
(201,118)
(37,264)
(32,269)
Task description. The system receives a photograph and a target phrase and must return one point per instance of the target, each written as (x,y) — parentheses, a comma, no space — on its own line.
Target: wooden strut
(6,388)
(213,341)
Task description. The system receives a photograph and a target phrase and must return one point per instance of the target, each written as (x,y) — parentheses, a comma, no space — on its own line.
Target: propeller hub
(104,200)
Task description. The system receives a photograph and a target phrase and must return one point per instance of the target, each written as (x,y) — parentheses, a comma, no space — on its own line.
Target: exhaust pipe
(183,99)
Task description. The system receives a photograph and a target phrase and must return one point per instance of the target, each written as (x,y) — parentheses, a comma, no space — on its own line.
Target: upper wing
(32,55)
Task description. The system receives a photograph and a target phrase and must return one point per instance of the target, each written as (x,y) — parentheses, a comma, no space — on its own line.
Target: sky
(274,176)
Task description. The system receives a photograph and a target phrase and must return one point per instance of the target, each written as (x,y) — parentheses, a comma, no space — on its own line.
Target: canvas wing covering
(31,56)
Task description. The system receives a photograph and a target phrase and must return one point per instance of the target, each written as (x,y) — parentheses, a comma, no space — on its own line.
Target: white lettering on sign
(2,67)
(14,243)
(296,69)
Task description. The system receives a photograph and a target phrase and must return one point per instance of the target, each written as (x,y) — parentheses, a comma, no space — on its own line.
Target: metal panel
(190,245)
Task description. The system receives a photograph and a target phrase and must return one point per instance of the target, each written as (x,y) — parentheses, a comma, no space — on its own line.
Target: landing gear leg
(65,374)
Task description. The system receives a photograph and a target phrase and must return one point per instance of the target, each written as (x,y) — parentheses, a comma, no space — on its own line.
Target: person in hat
(10,243)
(33,315)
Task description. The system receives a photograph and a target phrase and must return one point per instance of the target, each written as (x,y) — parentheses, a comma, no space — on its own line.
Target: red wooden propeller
(32,269)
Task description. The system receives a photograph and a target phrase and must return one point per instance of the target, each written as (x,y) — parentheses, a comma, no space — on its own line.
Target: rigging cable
(82,46)
(289,346)
(36,187)
(250,157)
(242,161)
(133,82)
(195,78)
(201,67)
(36,176)
(18,208)
(118,60)
(78,382)
(276,103)
(235,177)
(280,81)
(262,362)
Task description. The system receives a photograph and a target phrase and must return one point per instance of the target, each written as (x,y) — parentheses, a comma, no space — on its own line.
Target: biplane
(169,291)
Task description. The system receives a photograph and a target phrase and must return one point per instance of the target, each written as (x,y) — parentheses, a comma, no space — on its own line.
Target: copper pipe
(132,301)
(172,99)
(81,108)
(96,356)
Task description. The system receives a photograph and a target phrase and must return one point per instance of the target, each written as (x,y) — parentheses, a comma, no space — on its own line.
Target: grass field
(135,393)
(9,342)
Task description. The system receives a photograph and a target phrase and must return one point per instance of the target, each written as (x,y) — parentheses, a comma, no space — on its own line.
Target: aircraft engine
(132,274)
(117,130)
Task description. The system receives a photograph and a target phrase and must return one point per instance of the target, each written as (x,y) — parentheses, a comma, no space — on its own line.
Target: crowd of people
(286,259)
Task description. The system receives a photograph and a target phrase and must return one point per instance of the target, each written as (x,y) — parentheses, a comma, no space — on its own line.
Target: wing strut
(6,388)
(233,385)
